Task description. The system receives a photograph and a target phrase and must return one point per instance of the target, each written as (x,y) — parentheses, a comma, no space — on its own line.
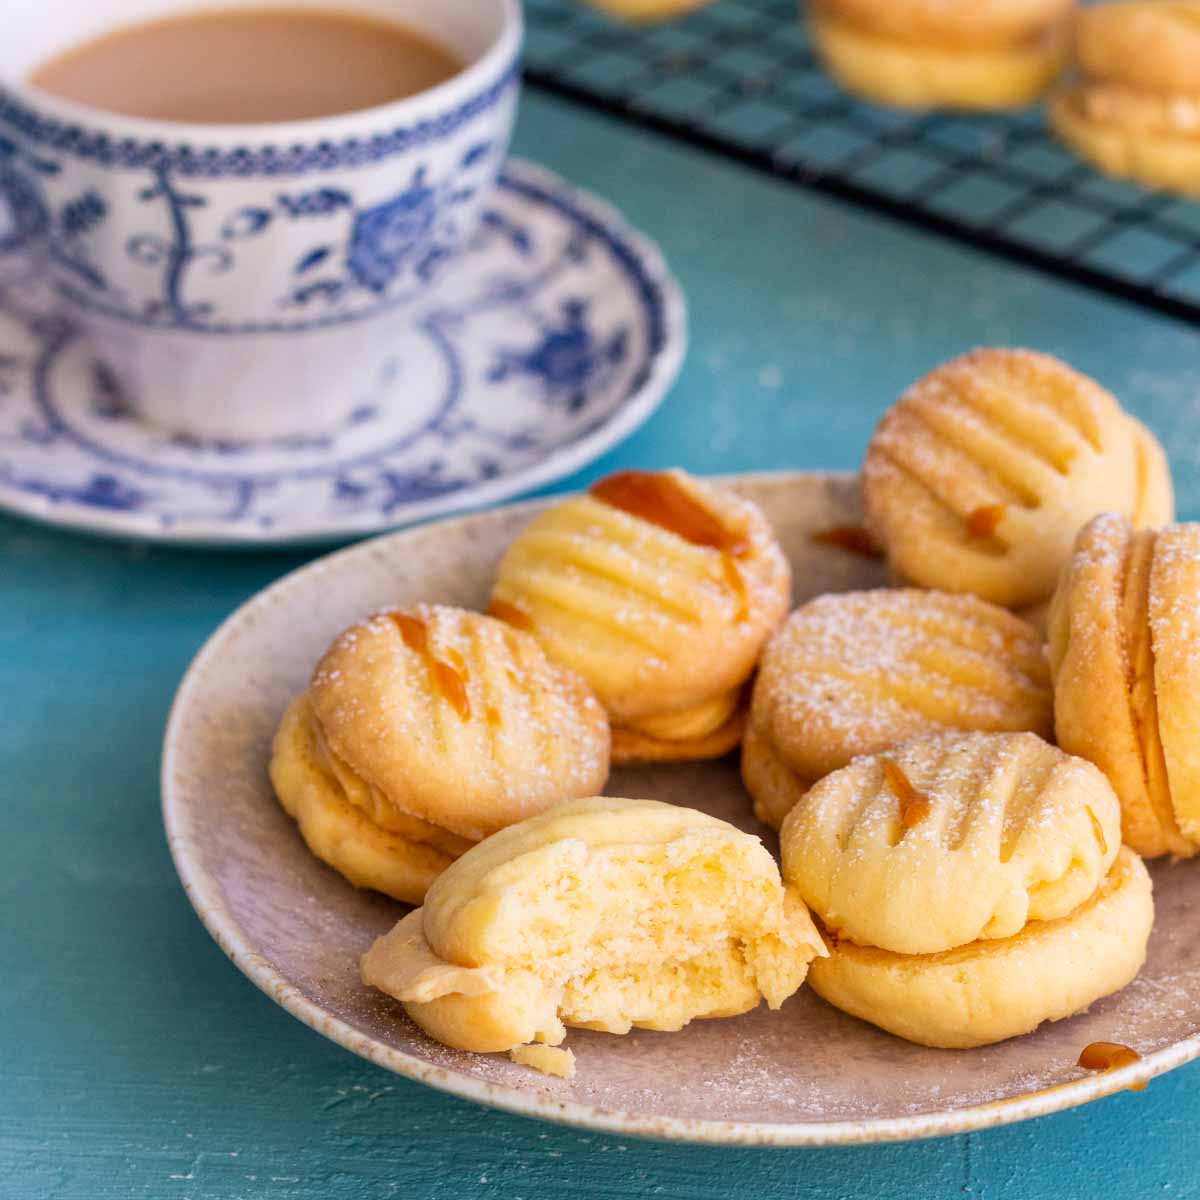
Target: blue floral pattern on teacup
(387,235)
(24,217)
(191,220)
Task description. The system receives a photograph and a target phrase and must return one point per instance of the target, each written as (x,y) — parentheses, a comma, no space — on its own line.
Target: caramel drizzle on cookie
(452,687)
(658,497)
(854,539)
(736,584)
(915,806)
(510,614)
(1109,1056)
(413,631)
(450,682)
(983,521)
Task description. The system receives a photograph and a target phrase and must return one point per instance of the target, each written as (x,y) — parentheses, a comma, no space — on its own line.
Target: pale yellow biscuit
(773,786)
(992,990)
(647,12)
(313,791)
(978,477)
(957,75)
(424,731)
(951,839)
(632,746)
(550,1060)
(1155,504)
(1135,110)
(602,914)
(660,590)
(1037,616)
(1148,45)
(1123,632)
(857,672)
(1159,157)
(961,22)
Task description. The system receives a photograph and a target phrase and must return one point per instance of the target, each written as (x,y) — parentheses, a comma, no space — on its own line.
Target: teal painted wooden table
(136,1062)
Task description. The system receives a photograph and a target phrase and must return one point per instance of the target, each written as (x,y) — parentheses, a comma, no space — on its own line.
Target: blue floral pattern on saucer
(548,339)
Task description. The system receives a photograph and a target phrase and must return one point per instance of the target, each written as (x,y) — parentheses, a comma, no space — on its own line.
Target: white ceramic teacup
(237,278)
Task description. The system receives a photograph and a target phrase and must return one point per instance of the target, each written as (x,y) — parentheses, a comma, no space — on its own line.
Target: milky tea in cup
(248,66)
(237,205)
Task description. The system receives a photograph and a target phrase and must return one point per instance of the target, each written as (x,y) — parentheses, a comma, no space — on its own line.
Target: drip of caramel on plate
(982,522)
(854,539)
(450,682)
(1108,1056)
(914,804)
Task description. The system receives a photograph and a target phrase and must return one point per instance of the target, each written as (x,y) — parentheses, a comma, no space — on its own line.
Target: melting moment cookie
(601,914)
(859,672)
(1124,632)
(660,590)
(640,12)
(985,54)
(951,839)
(971,886)
(423,732)
(1135,110)
(978,478)
(993,990)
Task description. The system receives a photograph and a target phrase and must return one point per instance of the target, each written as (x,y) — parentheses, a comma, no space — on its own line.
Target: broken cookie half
(600,914)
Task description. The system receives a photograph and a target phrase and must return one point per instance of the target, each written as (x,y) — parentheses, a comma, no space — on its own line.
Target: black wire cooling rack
(739,78)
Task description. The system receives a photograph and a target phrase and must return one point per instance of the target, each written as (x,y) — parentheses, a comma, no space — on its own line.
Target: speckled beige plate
(806,1075)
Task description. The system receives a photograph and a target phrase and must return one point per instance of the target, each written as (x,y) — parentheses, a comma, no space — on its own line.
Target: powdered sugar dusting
(854,673)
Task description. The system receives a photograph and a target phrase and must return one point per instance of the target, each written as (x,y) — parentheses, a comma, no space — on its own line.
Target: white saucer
(551,338)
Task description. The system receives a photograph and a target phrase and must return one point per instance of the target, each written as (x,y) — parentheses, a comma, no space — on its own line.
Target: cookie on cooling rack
(647,12)
(984,54)
(1134,111)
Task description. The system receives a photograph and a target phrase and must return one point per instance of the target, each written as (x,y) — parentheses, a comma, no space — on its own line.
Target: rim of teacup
(492,66)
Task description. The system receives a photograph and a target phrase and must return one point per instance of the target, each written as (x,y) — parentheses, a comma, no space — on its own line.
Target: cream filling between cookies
(1119,104)
(1142,694)
(689,724)
(1045,38)
(374,805)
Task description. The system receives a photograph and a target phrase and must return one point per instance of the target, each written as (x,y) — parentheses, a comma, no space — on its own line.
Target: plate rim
(663,370)
(204,894)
